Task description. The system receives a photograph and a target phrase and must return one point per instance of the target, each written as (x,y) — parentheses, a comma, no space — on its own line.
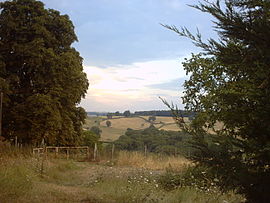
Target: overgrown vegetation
(229,82)
(69,181)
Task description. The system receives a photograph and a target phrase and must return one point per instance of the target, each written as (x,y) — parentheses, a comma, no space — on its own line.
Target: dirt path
(77,185)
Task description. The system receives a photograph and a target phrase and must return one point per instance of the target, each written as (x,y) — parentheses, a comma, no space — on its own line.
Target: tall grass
(60,180)
(20,172)
(16,174)
(152,161)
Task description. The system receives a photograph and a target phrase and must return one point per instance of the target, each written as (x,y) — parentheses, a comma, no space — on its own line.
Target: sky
(130,59)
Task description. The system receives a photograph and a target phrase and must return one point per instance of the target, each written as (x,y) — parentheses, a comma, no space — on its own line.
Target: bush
(197,177)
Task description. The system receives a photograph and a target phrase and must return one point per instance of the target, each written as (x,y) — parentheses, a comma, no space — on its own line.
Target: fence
(87,150)
(44,150)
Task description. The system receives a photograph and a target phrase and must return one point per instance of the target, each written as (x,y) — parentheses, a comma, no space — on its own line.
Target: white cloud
(127,87)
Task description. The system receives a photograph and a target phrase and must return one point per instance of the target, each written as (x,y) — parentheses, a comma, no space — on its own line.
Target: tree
(90,138)
(108,123)
(96,130)
(127,113)
(41,75)
(151,118)
(157,141)
(230,83)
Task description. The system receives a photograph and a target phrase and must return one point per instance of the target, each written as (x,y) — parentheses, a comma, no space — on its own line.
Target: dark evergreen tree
(230,83)
(127,113)
(41,75)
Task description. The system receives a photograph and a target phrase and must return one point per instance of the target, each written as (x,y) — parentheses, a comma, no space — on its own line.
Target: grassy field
(129,178)
(120,125)
(124,123)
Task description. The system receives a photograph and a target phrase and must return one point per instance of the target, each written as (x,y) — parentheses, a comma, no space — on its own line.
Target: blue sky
(129,58)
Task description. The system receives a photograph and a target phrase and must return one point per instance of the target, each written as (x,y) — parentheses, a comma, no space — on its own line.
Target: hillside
(120,124)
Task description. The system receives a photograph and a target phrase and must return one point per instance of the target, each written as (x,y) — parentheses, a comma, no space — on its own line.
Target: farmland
(120,124)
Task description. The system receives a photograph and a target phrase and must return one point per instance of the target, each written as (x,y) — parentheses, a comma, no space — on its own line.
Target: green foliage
(90,138)
(96,130)
(198,177)
(229,82)
(157,141)
(41,75)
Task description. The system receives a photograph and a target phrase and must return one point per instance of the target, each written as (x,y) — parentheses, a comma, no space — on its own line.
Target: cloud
(176,84)
(135,86)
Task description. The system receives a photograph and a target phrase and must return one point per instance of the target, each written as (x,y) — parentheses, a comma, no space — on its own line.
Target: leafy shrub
(90,138)
(197,177)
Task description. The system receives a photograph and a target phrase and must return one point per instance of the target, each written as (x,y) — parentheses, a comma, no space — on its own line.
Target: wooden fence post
(16,141)
(145,150)
(95,152)
(67,153)
(56,152)
(88,153)
(112,150)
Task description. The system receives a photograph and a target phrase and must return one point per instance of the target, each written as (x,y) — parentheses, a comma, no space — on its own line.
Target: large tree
(230,83)
(41,75)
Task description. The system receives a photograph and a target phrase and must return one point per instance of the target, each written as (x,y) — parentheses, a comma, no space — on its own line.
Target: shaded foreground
(130,178)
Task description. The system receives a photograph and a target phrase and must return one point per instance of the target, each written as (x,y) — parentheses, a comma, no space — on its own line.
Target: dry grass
(151,161)
(124,123)
(111,133)
(163,119)
(172,127)
(21,180)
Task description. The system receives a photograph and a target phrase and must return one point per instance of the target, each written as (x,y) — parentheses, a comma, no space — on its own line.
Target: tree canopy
(157,141)
(41,75)
(230,83)
(127,113)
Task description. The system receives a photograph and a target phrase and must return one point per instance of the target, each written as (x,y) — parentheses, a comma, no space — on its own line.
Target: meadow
(130,177)
(120,125)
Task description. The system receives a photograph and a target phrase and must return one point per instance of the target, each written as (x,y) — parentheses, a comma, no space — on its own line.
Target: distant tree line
(164,113)
(127,113)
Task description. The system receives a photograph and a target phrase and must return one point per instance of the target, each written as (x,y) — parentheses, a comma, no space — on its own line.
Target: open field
(172,127)
(24,179)
(135,123)
(120,125)
(111,133)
